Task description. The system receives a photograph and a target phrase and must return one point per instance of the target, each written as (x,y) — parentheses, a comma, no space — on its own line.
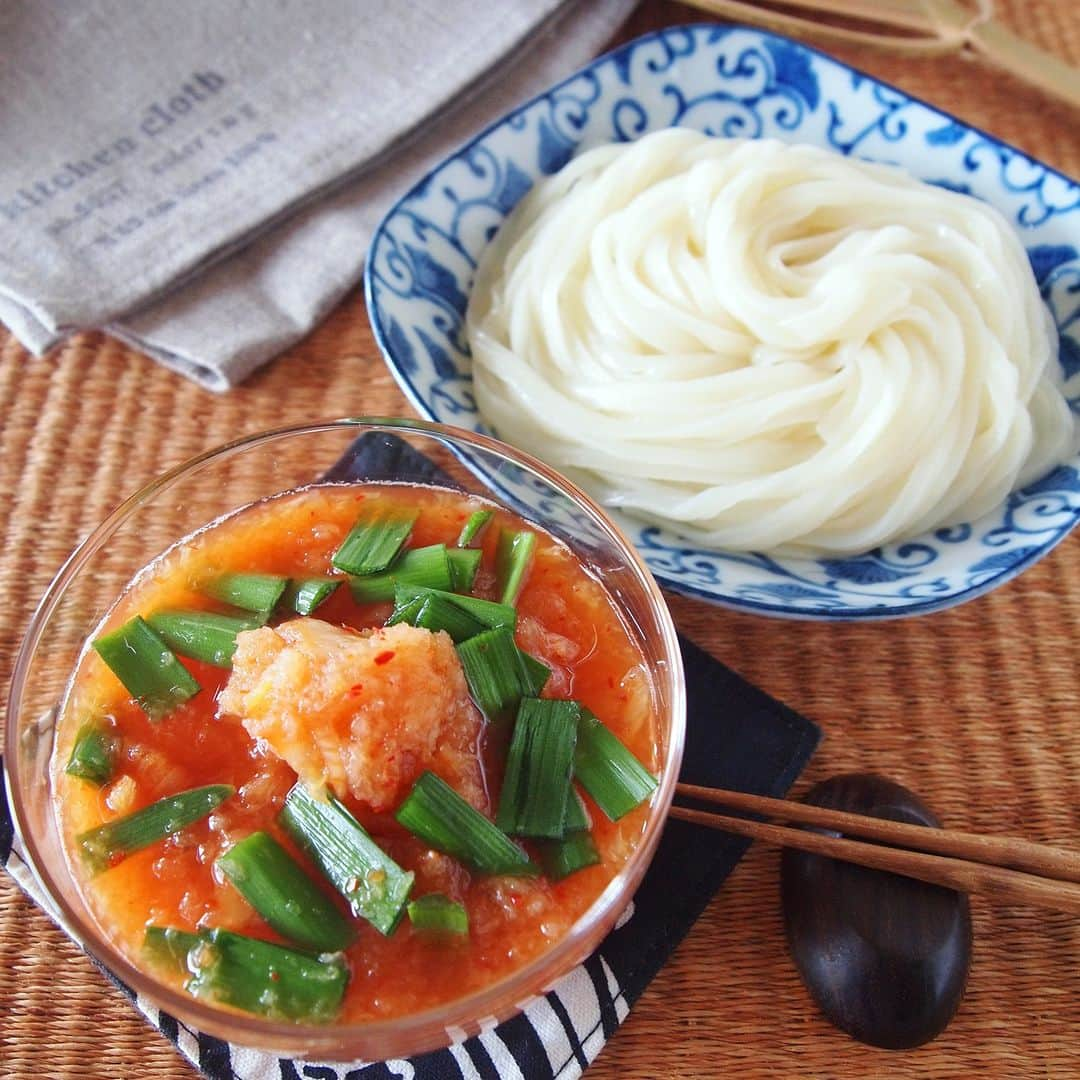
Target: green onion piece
(147,667)
(168,948)
(407,611)
(513,557)
(576,818)
(574,852)
(439,614)
(434,613)
(251,974)
(93,755)
(203,635)
(477,523)
(266,979)
(490,614)
(109,843)
(427,566)
(252,592)
(439,913)
(499,674)
(373,542)
(437,814)
(536,785)
(375,887)
(537,672)
(464,562)
(615,779)
(306,595)
(271,881)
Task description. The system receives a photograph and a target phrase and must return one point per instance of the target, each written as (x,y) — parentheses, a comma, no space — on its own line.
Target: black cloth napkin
(737,737)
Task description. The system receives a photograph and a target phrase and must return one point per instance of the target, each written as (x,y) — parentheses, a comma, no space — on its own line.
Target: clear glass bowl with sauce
(245,471)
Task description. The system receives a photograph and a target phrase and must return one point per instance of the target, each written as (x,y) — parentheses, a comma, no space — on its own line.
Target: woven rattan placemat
(976,708)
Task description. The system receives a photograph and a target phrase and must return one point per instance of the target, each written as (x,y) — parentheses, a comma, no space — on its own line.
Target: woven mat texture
(975,708)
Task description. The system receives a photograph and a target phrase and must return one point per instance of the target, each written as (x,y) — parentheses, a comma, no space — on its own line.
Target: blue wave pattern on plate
(733,81)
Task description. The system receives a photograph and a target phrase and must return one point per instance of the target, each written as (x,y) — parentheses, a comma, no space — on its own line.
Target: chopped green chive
(576,849)
(464,562)
(576,818)
(608,771)
(536,786)
(375,887)
(434,612)
(305,595)
(477,523)
(439,614)
(252,592)
(427,566)
(437,814)
(248,973)
(513,557)
(147,667)
(266,979)
(574,852)
(490,614)
(168,948)
(406,611)
(497,671)
(203,635)
(109,843)
(373,542)
(537,672)
(439,913)
(93,755)
(271,881)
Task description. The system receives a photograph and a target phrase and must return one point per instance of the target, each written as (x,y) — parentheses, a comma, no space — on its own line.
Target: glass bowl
(241,472)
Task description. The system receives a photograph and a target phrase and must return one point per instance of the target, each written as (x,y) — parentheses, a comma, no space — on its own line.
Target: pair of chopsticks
(911,28)
(1003,868)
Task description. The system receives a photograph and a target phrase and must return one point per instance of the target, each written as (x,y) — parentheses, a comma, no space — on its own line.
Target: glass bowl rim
(469,1014)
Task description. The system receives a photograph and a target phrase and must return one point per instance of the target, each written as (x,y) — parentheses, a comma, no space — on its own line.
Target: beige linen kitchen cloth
(202,179)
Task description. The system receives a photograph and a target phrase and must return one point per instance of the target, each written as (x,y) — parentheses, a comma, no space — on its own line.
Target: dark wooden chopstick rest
(886,958)
(880,926)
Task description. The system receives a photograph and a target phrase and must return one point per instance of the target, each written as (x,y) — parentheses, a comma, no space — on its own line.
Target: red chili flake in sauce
(275,976)
(385,657)
(356,689)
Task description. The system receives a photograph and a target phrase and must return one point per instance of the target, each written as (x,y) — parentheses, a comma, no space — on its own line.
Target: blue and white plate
(733,81)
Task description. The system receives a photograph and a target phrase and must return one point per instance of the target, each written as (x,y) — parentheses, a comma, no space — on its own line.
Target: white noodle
(768,347)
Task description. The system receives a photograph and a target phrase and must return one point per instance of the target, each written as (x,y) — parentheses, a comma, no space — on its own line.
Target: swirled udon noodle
(768,347)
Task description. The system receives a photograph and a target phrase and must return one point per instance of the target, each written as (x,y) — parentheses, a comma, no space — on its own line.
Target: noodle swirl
(768,347)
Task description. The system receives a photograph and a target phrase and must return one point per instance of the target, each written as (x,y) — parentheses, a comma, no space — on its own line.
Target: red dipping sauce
(565,618)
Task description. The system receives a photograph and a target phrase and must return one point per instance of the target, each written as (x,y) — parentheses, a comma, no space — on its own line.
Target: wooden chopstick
(988,865)
(1005,851)
(911,28)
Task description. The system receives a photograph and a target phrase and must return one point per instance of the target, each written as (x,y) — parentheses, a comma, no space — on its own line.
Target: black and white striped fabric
(737,737)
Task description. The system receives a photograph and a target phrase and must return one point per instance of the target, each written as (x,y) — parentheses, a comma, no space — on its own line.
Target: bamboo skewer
(1004,868)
